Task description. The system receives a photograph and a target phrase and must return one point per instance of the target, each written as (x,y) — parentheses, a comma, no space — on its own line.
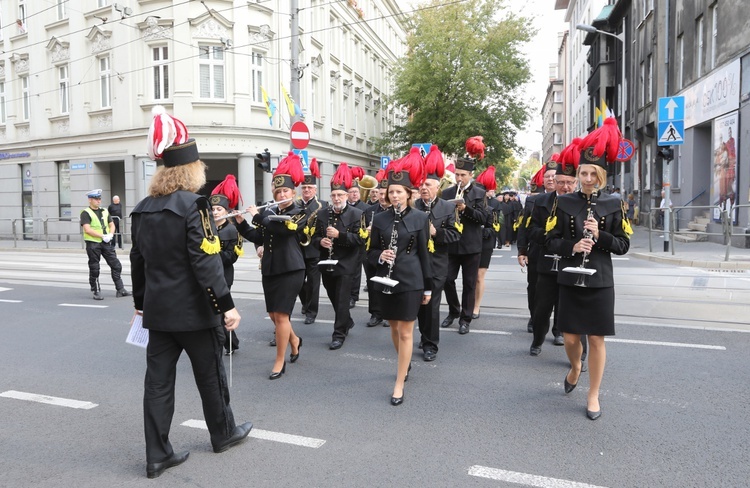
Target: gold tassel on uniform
(528,222)
(459,227)
(210,245)
(238,248)
(551,223)
(367,244)
(431,245)
(363,233)
(626,227)
(290,225)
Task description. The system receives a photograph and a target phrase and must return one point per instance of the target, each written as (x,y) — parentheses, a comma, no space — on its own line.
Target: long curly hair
(188,177)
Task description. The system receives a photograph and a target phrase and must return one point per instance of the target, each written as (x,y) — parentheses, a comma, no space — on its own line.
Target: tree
(461,77)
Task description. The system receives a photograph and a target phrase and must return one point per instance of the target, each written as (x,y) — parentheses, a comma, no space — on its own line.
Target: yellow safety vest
(96,224)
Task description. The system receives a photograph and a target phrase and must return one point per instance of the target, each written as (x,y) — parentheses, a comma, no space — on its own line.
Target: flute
(240,212)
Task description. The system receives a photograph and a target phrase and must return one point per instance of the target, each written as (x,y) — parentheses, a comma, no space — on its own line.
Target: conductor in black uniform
(309,295)
(466,253)
(442,216)
(338,236)
(179,285)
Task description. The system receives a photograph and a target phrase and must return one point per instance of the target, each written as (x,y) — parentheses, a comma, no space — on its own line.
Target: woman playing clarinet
(398,249)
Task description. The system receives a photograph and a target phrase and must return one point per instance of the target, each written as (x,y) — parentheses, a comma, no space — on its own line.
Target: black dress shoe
(406,378)
(529,327)
(122,292)
(275,375)
(239,434)
(294,357)
(335,344)
(463,328)
(374,321)
(304,311)
(154,470)
(475,316)
(352,303)
(535,351)
(272,343)
(568,386)
(397,401)
(430,355)
(448,321)
(386,324)
(593,415)
(559,341)
(309,319)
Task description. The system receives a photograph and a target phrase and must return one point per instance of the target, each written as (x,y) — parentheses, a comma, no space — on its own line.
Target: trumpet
(587,234)
(330,261)
(387,280)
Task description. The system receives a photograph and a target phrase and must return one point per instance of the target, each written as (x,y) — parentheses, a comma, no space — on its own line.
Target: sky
(541,52)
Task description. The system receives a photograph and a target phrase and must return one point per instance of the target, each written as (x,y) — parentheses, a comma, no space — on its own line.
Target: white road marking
(668,344)
(495,332)
(5,289)
(620,259)
(11,301)
(267,435)
(80,305)
(50,400)
(297,319)
(525,478)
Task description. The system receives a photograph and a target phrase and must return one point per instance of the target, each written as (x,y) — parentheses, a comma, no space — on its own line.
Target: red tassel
(605,139)
(475,147)
(314,168)
(357,172)
(229,189)
(538,178)
(487,179)
(571,154)
(415,166)
(291,165)
(434,164)
(342,176)
(380,175)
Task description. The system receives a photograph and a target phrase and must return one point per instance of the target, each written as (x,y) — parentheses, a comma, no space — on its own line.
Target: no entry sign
(300,135)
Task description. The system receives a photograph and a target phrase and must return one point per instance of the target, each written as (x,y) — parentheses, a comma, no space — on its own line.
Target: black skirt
(590,311)
(280,291)
(401,306)
(486,256)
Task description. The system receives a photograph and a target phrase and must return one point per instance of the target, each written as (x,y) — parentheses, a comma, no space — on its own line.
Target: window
(556,139)
(21,19)
(642,99)
(104,86)
(64,89)
(714,33)
(699,46)
(63,188)
(557,118)
(313,98)
(160,58)
(61,13)
(2,102)
(25,99)
(649,79)
(103,3)
(558,97)
(256,67)
(680,61)
(211,67)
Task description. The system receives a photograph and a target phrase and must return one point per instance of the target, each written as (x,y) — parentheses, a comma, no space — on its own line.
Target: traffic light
(665,153)
(264,160)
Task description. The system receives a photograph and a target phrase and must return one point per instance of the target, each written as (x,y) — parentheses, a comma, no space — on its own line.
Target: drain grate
(726,270)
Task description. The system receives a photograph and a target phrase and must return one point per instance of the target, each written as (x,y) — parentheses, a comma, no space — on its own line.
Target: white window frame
(714,32)
(557,118)
(256,75)
(103,3)
(699,47)
(22,11)
(61,9)
(642,98)
(2,102)
(680,61)
(558,98)
(649,79)
(212,63)
(105,85)
(25,98)
(64,89)
(160,72)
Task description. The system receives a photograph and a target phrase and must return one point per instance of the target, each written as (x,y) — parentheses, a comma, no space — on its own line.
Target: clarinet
(331,223)
(393,245)
(587,234)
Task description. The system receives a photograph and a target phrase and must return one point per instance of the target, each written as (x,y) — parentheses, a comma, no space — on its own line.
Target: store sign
(713,96)
(5,155)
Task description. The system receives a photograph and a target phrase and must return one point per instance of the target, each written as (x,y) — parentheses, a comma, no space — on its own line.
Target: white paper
(138,336)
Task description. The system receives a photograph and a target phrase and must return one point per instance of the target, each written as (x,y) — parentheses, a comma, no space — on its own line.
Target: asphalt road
(674,396)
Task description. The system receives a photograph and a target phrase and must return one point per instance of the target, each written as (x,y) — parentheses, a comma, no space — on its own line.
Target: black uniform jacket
(347,247)
(536,230)
(310,208)
(489,235)
(372,211)
(360,205)
(472,218)
(442,215)
(178,286)
(412,268)
(229,238)
(524,239)
(282,252)
(571,212)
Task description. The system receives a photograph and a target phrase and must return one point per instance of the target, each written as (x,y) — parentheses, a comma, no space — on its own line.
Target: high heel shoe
(593,415)
(397,401)
(293,357)
(406,378)
(568,386)
(277,374)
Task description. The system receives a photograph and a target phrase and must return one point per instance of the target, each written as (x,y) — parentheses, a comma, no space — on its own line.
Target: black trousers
(203,347)
(531,284)
(428,320)
(97,250)
(117,239)
(544,302)
(374,297)
(309,294)
(339,291)
(469,264)
(357,277)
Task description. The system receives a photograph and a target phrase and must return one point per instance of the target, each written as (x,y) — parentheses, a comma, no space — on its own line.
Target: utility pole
(294,83)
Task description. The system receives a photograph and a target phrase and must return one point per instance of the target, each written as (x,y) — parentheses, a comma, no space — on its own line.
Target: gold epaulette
(210,243)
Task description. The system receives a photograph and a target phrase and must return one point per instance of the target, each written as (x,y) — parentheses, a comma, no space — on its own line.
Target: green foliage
(462,77)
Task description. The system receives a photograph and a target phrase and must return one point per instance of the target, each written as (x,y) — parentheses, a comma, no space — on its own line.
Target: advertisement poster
(724,175)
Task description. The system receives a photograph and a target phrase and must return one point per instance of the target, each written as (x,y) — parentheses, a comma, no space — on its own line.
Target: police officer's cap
(94,193)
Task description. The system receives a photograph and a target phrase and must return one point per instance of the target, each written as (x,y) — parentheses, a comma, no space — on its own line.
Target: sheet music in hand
(138,336)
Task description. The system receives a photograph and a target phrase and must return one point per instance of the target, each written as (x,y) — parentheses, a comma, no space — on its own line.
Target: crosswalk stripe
(49,400)
(525,478)
(669,344)
(267,435)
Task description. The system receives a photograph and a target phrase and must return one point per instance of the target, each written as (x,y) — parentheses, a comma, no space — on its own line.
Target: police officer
(98,231)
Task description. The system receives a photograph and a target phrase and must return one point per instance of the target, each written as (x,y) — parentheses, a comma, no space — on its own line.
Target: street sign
(305,158)
(384,160)
(300,135)
(671,121)
(424,148)
(625,151)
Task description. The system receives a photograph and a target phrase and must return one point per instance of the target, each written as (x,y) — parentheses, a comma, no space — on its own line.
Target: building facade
(78,81)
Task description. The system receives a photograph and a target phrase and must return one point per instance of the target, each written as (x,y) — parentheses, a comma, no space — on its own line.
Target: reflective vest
(96,224)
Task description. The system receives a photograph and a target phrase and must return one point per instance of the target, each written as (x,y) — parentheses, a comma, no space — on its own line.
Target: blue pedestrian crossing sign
(671,121)
(303,155)
(384,160)
(424,148)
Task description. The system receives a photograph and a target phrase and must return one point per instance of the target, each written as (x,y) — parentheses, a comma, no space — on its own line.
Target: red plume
(314,168)
(475,147)
(434,164)
(487,178)
(229,189)
(451,167)
(571,154)
(415,166)
(538,178)
(291,165)
(604,139)
(555,157)
(380,175)
(357,172)
(343,176)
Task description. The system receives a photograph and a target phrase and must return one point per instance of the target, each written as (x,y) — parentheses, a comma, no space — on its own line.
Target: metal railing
(49,229)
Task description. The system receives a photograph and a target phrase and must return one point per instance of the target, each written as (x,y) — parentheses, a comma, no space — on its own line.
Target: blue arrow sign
(671,108)
(302,153)
(384,160)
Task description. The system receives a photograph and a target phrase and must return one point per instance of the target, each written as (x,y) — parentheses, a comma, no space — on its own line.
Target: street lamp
(620,37)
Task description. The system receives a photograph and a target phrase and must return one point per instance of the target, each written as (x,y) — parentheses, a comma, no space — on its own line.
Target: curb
(694,263)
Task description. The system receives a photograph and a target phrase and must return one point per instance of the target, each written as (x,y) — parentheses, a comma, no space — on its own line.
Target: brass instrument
(587,234)
(309,228)
(386,280)
(366,183)
(448,180)
(330,262)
